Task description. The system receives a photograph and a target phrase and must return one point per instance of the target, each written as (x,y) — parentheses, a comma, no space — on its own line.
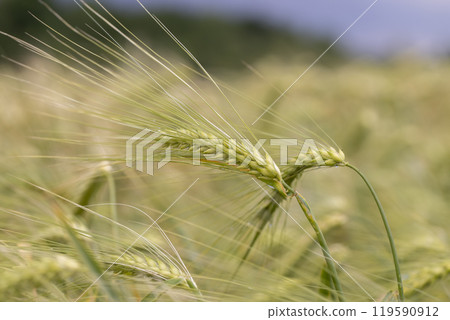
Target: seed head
(225,153)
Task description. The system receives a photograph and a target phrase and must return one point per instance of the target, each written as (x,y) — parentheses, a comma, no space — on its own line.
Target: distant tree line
(216,42)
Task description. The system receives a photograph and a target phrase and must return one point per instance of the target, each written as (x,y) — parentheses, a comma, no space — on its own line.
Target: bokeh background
(388,28)
(381,92)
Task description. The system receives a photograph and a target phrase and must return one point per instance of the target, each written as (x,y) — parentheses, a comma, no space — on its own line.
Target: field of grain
(77,224)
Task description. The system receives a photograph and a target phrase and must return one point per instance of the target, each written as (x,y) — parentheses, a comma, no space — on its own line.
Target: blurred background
(387,28)
(382,93)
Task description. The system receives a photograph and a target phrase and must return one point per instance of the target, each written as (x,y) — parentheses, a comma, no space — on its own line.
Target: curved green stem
(388,231)
(322,242)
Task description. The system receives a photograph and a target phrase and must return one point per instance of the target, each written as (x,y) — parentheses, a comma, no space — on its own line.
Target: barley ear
(425,277)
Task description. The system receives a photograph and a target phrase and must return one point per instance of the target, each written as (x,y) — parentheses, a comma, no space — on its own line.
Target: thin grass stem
(88,258)
(398,273)
(322,242)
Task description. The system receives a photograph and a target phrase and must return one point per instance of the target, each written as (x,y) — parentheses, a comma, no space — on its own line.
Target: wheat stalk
(142,265)
(222,153)
(244,158)
(238,157)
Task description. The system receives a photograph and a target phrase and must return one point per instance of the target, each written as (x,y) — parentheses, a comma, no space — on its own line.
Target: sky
(388,27)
